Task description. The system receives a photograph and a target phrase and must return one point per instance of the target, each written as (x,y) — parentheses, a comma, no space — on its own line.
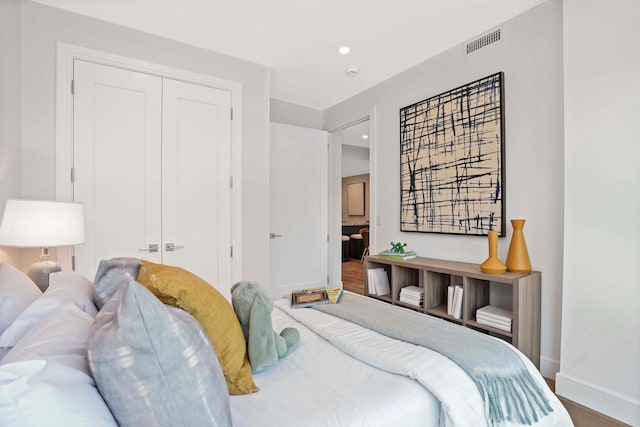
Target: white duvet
(458,395)
(319,385)
(345,375)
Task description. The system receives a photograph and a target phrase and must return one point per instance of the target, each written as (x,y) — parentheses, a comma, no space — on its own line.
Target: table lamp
(42,224)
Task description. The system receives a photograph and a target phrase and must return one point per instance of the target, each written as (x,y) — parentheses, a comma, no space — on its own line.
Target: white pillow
(65,279)
(17,291)
(62,336)
(64,287)
(40,393)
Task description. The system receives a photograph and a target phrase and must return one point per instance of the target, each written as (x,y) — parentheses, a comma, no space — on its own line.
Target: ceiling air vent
(483,41)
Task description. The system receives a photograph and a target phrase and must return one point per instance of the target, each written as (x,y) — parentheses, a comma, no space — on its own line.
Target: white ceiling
(352,135)
(299,39)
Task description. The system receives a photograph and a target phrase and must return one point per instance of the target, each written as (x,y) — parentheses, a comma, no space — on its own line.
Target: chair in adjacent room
(345,247)
(364,232)
(355,246)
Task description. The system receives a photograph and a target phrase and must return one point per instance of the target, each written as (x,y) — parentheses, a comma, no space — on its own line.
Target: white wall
(355,160)
(530,55)
(43,26)
(10,164)
(600,361)
(293,114)
(10,170)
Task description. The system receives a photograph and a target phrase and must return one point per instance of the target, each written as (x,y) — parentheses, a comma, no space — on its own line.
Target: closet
(151,163)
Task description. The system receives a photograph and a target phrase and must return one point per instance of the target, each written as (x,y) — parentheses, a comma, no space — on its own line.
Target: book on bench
(315,296)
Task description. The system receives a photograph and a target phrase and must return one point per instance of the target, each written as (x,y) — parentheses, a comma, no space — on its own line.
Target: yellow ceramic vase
(493,265)
(518,256)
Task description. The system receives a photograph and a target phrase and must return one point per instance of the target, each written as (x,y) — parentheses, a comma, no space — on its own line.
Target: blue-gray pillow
(111,276)
(154,365)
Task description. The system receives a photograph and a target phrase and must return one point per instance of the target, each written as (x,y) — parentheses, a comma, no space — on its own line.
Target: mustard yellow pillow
(178,287)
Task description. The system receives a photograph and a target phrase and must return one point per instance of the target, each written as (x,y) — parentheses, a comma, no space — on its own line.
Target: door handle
(170,247)
(151,248)
(274,235)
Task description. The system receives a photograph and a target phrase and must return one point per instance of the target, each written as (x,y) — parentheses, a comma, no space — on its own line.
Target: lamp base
(39,272)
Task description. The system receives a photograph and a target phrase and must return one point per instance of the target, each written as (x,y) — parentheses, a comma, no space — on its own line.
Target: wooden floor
(353,280)
(353,276)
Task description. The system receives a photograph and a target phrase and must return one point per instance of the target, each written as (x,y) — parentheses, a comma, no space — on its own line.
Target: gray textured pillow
(111,276)
(154,365)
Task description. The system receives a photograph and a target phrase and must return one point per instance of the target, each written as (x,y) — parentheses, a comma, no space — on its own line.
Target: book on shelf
(378,281)
(413,295)
(494,324)
(371,281)
(450,291)
(398,256)
(414,303)
(495,317)
(412,292)
(456,305)
(315,296)
(497,313)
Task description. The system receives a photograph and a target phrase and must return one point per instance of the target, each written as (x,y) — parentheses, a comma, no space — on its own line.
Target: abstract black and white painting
(451,161)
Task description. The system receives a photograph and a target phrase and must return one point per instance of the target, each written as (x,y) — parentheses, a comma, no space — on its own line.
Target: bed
(341,373)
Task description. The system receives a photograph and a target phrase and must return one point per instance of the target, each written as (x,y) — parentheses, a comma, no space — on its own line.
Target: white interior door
(298,208)
(196,195)
(117,137)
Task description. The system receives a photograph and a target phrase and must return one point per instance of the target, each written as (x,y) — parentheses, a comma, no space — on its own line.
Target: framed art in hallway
(355,198)
(452,161)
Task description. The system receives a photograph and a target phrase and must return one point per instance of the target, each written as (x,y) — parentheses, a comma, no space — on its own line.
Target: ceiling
(299,40)
(354,135)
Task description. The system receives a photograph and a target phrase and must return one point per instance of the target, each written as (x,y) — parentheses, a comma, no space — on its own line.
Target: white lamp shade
(41,224)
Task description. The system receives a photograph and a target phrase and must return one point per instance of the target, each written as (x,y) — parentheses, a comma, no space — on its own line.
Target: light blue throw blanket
(510,393)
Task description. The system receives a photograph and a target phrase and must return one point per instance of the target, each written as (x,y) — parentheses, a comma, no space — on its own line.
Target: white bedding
(370,379)
(462,404)
(335,388)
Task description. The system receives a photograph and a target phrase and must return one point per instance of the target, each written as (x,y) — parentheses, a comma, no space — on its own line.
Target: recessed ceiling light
(365,136)
(344,50)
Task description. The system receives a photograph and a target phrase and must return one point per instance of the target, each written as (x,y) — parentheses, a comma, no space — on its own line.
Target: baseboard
(599,399)
(549,367)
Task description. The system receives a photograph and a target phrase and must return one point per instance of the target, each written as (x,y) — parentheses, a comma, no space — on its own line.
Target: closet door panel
(196,193)
(117,125)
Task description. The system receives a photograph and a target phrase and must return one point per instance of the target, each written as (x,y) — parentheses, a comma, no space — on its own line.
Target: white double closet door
(151,160)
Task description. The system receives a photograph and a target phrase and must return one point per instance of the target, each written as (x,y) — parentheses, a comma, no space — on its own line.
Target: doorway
(356,203)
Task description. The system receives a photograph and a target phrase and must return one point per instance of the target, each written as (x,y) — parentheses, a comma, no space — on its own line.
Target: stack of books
(378,282)
(454,301)
(398,256)
(413,295)
(495,317)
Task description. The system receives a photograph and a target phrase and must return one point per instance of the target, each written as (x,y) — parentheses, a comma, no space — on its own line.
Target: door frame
(335,187)
(66,54)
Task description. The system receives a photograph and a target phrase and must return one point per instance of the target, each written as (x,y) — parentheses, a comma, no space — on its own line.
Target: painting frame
(355,199)
(452,170)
